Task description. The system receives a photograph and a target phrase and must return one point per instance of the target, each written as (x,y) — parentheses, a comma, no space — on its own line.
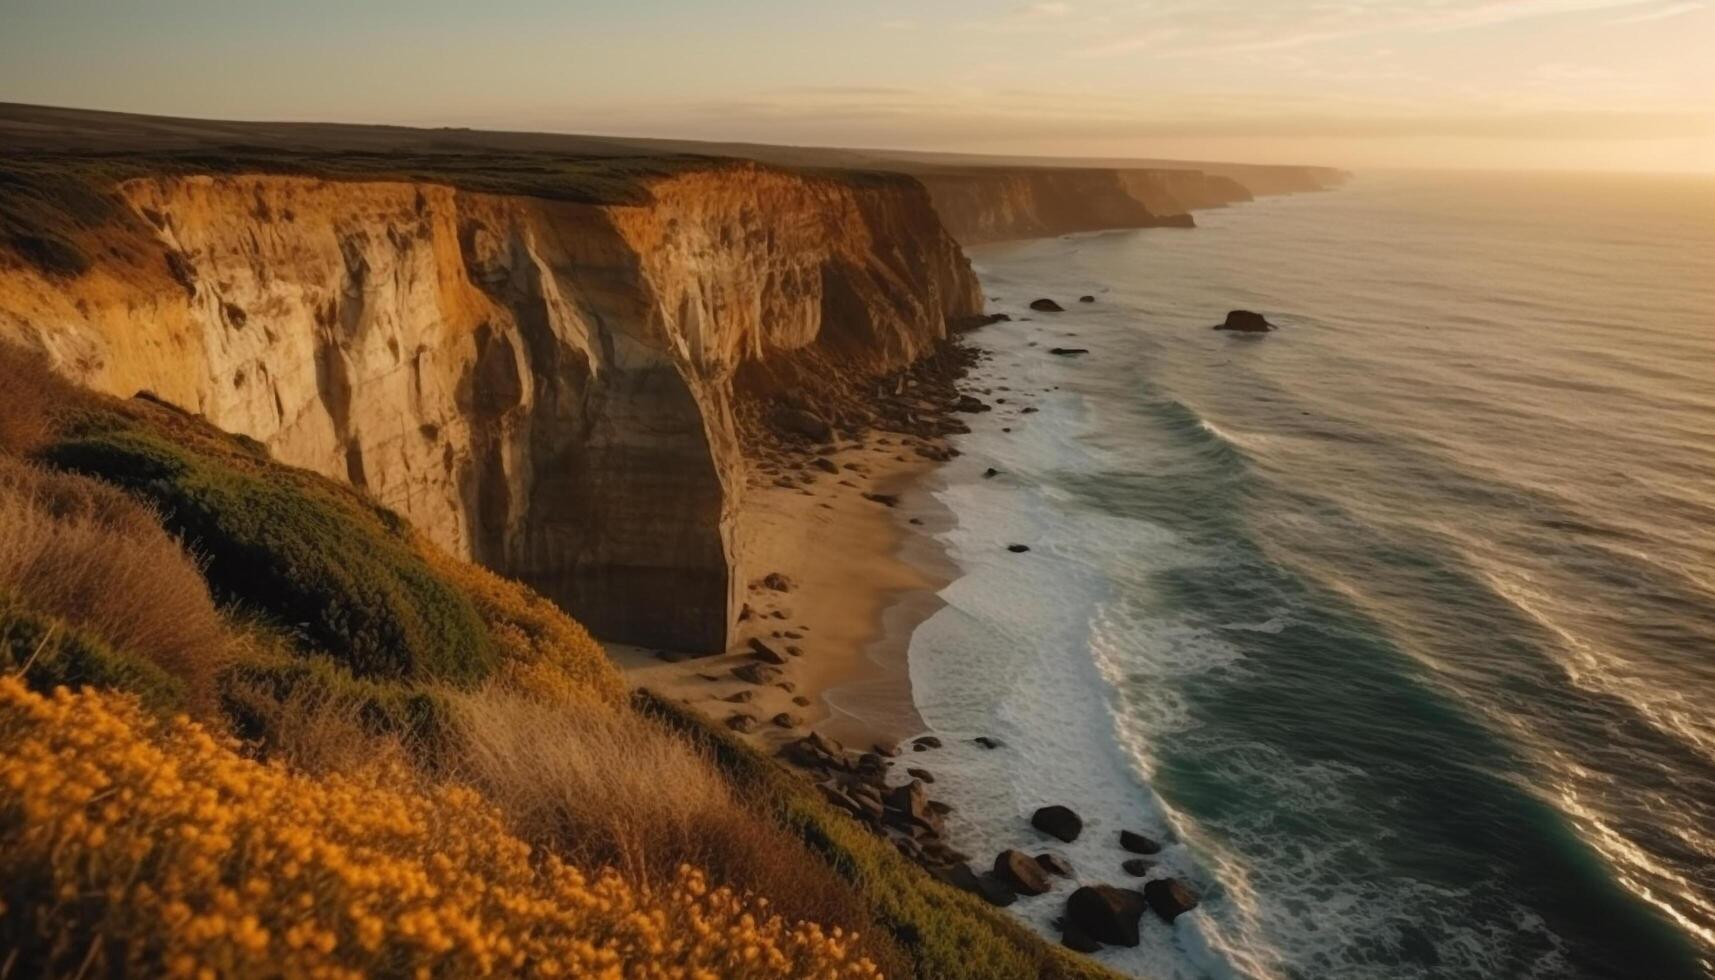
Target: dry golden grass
(34,396)
(131,845)
(85,554)
(605,785)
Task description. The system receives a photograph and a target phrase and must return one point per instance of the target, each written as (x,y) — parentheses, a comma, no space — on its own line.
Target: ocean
(1397,624)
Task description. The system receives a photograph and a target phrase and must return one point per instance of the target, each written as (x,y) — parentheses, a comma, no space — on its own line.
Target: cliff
(546,387)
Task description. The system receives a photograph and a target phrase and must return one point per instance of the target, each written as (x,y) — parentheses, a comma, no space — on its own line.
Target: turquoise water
(1400,622)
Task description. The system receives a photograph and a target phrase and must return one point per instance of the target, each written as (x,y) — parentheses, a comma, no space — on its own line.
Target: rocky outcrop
(1245,321)
(549,388)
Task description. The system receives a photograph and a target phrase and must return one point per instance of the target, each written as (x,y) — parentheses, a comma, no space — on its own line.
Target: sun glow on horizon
(1493,84)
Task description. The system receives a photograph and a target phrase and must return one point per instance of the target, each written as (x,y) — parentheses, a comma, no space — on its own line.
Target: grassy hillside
(254,723)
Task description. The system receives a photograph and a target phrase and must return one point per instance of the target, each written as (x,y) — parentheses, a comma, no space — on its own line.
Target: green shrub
(52,653)
(275,700)
(314,556)
(948,934)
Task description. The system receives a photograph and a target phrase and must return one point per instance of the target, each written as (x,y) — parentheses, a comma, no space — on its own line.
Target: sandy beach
(860,575)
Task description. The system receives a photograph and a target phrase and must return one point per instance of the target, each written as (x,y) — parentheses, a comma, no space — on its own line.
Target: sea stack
(1245,321)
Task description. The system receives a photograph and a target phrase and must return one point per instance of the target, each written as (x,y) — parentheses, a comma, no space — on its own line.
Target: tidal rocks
(1046,306)
(1170,897)
(990,473)
(1018,549)
(923,742)
(922,774)
(987,742)
(1058,822)
(777,582)
(786,719)
(989,888)
(740,697)
(825,464)
(1138,867)
(742,723)
(801,422)
(757,673)
(884,499)
(1086,299)
(970,404)
(1139,844)
(1077,940)
(1068,351)
(1106,914)
(1245,321)
(1054,864)
(1021,873)
(765,653)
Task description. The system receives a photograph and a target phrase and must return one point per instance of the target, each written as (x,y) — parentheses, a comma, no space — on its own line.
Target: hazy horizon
(1576,85)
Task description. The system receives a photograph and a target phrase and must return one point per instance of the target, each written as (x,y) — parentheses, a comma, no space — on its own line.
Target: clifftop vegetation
(254,723)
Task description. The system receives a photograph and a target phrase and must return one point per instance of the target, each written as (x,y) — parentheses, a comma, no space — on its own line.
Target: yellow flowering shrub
(134,844)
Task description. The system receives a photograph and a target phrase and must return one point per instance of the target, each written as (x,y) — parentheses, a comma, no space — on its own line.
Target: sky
(1495,84)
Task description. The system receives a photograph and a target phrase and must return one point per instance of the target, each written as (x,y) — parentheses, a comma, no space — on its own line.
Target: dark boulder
(756,673)
(884,499)
(1054,864)
(1046,306)
(1086,299)
(1170,897)
(1106,914)
(1138,844)
(924,742)
(1059,822)
(786,719)
(1068,351)
(777,582)
(1077,940)
(1021,872)
(1245,321)
(742,723)
(825,464)
(800,422)
(1018,549)
(988,887)
(987,742)
(764,652)
(922,774)
(1138,867)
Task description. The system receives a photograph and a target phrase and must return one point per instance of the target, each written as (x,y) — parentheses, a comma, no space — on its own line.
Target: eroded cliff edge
(546,387)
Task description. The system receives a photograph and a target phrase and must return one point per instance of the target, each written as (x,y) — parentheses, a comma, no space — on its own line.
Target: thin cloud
(1228,27)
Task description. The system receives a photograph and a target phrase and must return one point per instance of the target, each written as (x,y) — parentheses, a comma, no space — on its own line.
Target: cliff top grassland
(255,724)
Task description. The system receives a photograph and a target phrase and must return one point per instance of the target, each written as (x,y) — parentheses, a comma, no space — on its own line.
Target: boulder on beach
(765,653)
(1054,864)
(801,422)
(989,888)
(1068,351)
(1106,914)
(1086,299)
(1077,940)
(1046,305)
(1170,897)
(1138,867)
(1245,321)
(1138,844)
(1059,822)
(757,673)
(1018,549)
(1021,872)
(743,723)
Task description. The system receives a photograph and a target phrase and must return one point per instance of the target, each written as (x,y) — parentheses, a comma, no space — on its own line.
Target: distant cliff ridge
(537,348)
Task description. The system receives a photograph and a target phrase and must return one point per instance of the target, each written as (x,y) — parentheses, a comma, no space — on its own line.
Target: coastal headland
(694,394)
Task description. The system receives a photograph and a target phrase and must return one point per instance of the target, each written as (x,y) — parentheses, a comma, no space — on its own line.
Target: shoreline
(858,553)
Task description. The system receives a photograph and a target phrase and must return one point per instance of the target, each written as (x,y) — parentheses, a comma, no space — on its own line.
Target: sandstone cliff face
(996,205)
(545,387)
